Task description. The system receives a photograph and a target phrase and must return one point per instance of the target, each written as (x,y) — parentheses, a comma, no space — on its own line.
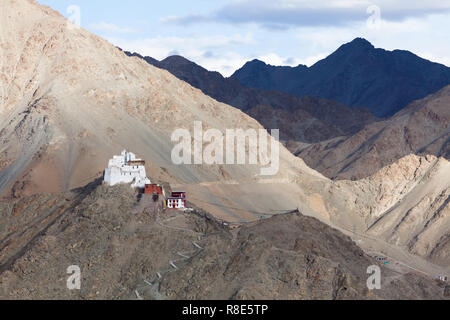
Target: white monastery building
(126,168)
(176,203)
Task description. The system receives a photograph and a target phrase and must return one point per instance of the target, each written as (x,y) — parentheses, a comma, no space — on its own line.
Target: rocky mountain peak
(355,75)
(359,43)
(177,60)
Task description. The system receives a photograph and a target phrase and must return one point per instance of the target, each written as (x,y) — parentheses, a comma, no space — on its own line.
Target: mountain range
(339,141)
(421,128)
(356,75)
(70,100)
(300,120)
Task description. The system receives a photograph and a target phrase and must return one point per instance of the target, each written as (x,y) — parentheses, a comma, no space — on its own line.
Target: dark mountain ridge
(357,75)
(304,120)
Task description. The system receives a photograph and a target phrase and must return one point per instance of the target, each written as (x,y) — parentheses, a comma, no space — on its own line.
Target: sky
(221,35)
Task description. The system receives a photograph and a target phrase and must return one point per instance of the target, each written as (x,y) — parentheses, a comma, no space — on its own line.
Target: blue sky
(222,35)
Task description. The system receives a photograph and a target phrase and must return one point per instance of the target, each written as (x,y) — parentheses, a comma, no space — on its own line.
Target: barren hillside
(408,205)
(126,252)
(421,128)
(69,100)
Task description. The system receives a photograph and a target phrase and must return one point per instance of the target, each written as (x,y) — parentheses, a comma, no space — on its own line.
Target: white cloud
(111,28)
(279,14)
(226,63)
(160,47)
(211,52)
(424,36)
(309,61)
(197,50)
(276,60)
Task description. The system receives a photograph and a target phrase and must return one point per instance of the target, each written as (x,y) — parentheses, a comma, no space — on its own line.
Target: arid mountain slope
(70,100)
(121,248)
(408,204)
(421,128)
(300,120)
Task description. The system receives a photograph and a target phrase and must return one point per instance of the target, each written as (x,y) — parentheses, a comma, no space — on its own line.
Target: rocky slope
(421,128)
(357,75)
(300,120)
(121,247)
(408,205)
(70,100)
